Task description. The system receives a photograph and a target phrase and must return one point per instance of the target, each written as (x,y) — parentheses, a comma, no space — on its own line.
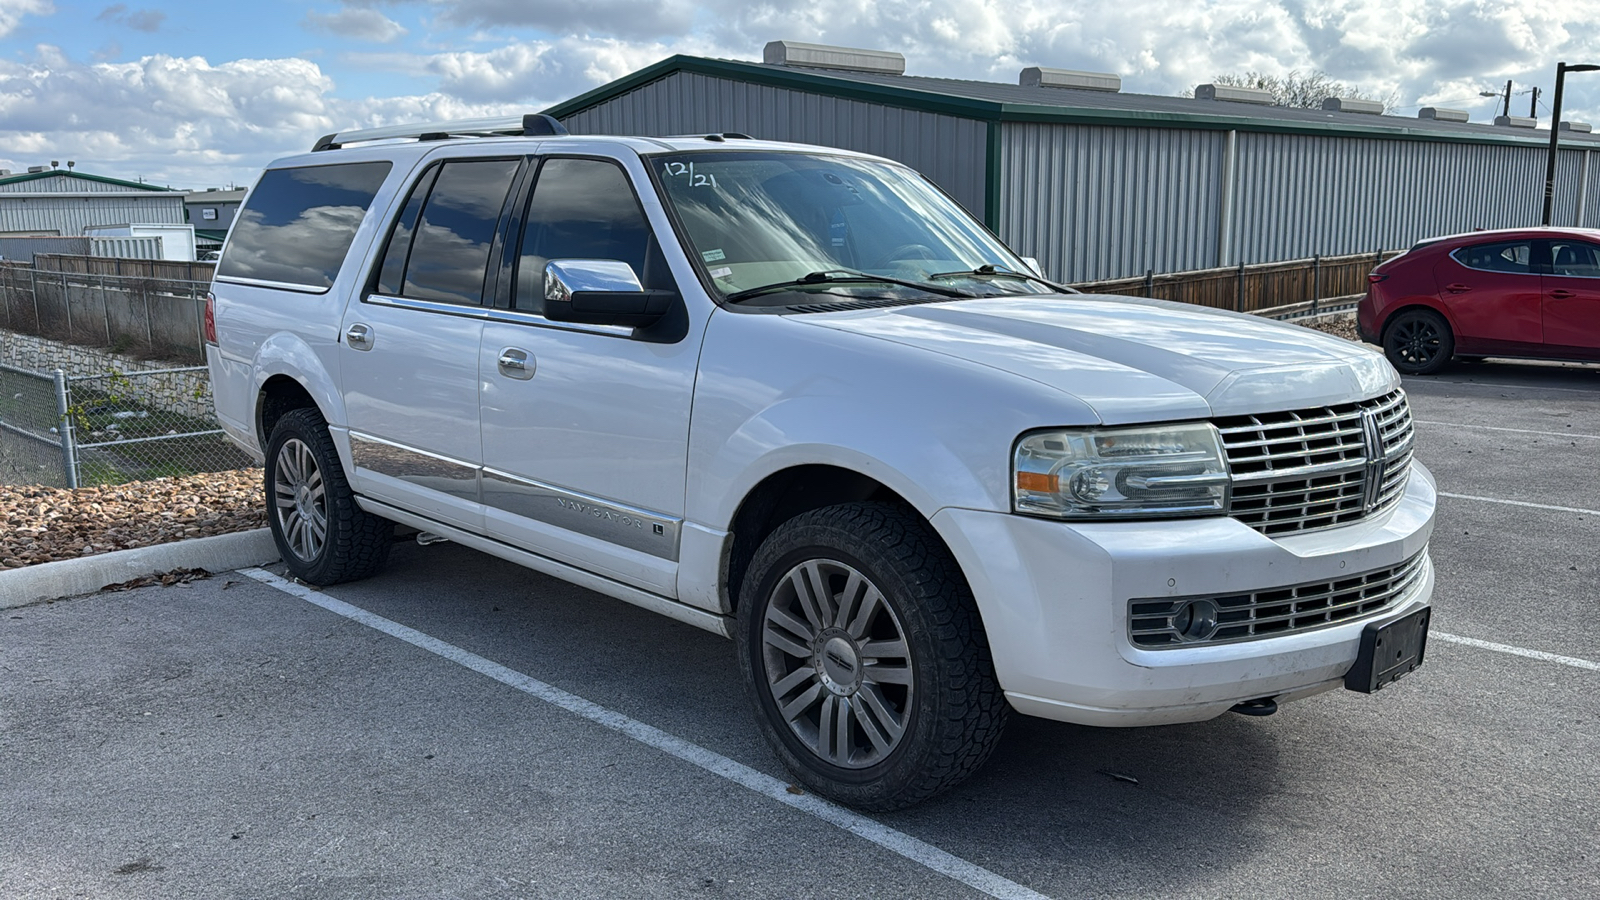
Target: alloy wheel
(300,499)
(838,664)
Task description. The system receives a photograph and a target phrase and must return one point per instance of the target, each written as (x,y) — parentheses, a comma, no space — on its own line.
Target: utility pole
(1533,105)
(1507,111)
(1555,134)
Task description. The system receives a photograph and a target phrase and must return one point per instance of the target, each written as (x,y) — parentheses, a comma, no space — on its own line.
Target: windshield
(761,219)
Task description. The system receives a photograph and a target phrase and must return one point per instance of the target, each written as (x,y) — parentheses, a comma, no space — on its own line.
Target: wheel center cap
(302,500)
(838,663)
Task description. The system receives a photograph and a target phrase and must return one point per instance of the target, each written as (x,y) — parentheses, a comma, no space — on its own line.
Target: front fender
(855,435)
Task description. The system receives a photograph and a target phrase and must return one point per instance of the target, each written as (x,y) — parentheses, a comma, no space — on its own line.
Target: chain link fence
(109,429)
(32,448)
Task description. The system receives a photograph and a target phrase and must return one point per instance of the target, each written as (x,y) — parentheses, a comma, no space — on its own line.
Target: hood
(1136,360)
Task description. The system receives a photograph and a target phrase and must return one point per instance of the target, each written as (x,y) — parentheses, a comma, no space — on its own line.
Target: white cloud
(12,11)
(361,24)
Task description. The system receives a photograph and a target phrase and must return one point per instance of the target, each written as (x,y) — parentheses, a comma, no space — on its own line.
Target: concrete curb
(85,575)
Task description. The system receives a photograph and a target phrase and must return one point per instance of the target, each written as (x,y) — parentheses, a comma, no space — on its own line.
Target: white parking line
(1587,437)
(1516,651)
(917,851)
(1571,509)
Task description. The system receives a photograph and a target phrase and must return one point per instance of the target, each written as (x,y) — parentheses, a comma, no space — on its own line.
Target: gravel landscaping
(43,524)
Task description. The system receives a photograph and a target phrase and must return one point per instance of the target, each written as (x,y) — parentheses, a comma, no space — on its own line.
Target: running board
(672,609)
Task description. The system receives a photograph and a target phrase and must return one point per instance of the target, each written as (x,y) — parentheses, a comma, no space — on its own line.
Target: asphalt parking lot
(230,738)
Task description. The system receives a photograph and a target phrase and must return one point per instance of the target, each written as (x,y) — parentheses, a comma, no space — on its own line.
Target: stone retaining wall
(183,393)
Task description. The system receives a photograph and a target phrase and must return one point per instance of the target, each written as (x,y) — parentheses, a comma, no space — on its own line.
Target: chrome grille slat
(1306,470)
(1280,611)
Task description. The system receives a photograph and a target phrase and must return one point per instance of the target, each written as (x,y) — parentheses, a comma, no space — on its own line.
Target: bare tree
(1301,90)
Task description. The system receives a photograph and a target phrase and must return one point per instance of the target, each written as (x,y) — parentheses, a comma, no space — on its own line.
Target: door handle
(516,364)
(1458,288)
(1563,294)
(359,337)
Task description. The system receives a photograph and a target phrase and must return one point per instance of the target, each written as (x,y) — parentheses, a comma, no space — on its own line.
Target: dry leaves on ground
(40,524)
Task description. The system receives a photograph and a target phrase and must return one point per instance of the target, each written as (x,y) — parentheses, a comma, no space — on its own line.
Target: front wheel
(323,536)
(865,658)
(1418,342)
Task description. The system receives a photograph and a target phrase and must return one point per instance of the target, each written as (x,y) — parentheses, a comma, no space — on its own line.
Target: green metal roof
(66,173)
(995,102)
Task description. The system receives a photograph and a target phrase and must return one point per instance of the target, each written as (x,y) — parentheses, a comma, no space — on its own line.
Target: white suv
(798,397)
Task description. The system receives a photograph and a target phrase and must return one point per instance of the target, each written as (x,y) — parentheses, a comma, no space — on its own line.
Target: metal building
(62,203)
(1101,184)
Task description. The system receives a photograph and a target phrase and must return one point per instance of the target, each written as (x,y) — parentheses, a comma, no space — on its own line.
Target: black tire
(353,543)
(1418,342)
(951,711)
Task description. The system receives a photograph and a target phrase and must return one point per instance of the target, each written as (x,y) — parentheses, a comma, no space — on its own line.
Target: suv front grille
(1318,468)
(1159,623)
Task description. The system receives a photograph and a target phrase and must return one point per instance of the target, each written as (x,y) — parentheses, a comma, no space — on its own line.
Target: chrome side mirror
(601,292)
(565,277)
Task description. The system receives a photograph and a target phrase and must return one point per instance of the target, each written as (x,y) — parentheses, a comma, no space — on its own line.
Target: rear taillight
(1375,277)
(211,318)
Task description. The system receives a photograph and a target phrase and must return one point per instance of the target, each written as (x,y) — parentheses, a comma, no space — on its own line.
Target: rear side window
(440,246)
(1508,256)
(1574,258)
(298,223)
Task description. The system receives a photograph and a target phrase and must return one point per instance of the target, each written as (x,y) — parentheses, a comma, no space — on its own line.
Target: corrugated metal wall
(69,215)
(23,249)
(947,149)
(1300,195)
(1096,202)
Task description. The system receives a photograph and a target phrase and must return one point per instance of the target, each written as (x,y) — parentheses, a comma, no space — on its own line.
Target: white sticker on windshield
(713,256)
(723,272)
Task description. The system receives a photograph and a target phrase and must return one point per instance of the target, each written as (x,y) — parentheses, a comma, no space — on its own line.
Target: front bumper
(1054,598)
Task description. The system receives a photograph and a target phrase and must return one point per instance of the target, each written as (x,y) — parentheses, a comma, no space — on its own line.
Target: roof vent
(1580,127)
(1516,121)
(1440,114)
(1039,76)
(1350,105)
(822,56)
(1234,94)
(34,170)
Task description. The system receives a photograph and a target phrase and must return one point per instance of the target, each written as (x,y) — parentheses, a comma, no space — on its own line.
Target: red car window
(1508,256)
(1574,258)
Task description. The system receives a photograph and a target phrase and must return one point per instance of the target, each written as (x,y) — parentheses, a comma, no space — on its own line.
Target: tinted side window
(299,223)
(583,209)
(392,271)
(450,250)
(1511,256)
(1574,258)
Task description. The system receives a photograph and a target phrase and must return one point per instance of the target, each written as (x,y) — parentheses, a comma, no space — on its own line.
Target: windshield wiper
(843,276)
(990,270)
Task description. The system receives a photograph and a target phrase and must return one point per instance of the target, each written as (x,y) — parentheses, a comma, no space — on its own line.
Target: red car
(1522,292)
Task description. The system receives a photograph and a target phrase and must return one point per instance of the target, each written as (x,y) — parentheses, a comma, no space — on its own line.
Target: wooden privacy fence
(1256,288)
(128,268)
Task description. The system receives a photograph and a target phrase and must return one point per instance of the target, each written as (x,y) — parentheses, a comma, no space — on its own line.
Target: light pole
(1555,135)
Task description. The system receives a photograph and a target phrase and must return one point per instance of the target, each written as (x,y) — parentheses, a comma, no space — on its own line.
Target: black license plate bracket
(1390,650)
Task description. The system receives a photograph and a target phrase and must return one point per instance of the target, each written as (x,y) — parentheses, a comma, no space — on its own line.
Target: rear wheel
(1418,342)
(865,658)
(323,536)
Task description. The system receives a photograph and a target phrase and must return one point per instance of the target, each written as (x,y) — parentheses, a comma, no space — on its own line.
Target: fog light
(1195,620)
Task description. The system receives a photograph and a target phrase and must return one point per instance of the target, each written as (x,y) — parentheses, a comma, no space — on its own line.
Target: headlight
(1151,470)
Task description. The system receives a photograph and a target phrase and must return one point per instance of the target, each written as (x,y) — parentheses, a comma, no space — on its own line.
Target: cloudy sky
(198,94)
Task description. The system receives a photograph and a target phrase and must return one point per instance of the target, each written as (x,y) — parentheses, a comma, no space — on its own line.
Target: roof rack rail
(530,125)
